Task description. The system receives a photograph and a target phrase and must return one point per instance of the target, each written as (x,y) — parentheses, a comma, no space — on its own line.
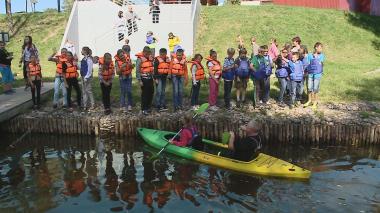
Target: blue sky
(19,5)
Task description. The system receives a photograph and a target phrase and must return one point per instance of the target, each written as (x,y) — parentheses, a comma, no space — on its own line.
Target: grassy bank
(352,43)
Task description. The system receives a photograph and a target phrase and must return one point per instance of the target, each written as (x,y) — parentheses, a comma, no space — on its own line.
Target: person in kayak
(189,135)
(246,148)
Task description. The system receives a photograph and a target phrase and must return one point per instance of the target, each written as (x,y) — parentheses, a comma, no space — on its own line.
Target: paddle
(201,110)
(226,137)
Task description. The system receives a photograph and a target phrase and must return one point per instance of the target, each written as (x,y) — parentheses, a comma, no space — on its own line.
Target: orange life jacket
(216,69)
(34,70)
(61,60)
(146,65)
(71,71)
(163,65)
(200,73)
(178,67)
(128,69)
(107,74)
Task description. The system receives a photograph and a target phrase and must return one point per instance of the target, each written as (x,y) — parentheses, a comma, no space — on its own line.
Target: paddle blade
(202,108)
(226,137)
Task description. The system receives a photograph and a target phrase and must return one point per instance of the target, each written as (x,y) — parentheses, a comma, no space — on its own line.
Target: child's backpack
(196,140)
(243,70)
(315,66)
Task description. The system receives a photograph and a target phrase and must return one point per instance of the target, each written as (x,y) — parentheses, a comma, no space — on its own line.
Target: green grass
(47,30)
(351,41)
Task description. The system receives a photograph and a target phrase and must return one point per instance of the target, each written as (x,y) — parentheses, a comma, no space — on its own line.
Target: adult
(70,47)
(120,26)
(263,65)
(173,41)
(28,49)
(5,69)
(155,11)
(245,148)
(131,17)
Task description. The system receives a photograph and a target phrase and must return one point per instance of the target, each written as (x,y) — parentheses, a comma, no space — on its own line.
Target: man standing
(131,17)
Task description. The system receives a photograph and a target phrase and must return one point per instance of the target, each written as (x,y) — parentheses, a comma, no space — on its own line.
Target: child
(189,134)
(124,70)
(106,75)
(86,66)
(5,69)
(35,79)
(59,79)
(215,72)
(240,41)
(296,79)
(282,74)
(296,44)
(151,41)
(243,69)
(161,70)
(228,76)
(198,74)
(273,50)
(263,69)
(315,72)
(178,71)
(144,74)
(303,57)
(173,41)
(255,47)
(69,69)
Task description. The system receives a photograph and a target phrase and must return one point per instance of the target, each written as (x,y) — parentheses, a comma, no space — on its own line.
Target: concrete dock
(20,101)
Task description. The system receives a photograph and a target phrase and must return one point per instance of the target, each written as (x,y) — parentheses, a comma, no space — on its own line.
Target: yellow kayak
(263,164)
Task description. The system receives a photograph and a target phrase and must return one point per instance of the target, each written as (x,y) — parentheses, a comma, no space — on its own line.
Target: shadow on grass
(367,22)
(366,90)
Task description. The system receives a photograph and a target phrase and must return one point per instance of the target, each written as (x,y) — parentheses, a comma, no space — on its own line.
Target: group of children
(293,66)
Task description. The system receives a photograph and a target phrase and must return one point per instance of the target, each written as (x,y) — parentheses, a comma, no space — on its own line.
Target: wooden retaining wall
(285,131)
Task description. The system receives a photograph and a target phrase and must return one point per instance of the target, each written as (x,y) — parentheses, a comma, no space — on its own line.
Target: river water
(48,173)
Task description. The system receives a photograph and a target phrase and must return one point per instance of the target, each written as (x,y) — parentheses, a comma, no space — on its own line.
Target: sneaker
(129,108)
(144,112)
(238,104)
(107,112)
(38,106)
(55,106)
(165,108)
(308,103)
(34,107)
(314,107)
(291,106)
(64,107)
(26,87)
(214,108)
(260,102)
(194,108)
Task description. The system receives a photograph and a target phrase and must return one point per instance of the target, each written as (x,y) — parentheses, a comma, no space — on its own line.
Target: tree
(8,11)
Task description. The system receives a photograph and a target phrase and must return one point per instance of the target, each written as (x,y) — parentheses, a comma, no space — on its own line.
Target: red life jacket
(163,65)
(128,69)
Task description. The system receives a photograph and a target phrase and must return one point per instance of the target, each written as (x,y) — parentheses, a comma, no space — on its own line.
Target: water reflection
(80,174)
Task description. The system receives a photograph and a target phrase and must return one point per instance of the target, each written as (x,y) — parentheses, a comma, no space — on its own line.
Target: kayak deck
(263,164)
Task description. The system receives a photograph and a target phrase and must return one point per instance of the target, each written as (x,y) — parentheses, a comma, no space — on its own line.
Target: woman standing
(28,49)
(106,75)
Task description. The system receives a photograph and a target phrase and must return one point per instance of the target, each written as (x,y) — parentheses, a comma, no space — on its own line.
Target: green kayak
(262,165)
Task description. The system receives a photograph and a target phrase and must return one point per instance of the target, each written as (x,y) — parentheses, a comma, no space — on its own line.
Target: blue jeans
(125,90)
(59,84)
(160,92)
(283,85)
(296,91)
(177,91)
(313,83)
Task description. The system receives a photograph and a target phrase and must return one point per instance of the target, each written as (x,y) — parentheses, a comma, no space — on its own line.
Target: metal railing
(149,2)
